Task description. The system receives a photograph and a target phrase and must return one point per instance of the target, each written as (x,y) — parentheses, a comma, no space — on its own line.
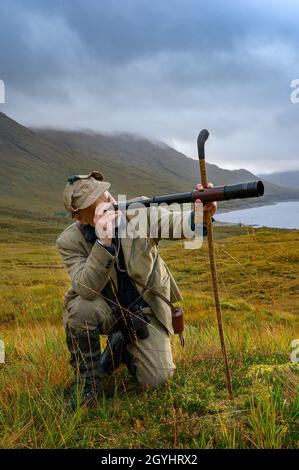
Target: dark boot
(84,347)
(115,353)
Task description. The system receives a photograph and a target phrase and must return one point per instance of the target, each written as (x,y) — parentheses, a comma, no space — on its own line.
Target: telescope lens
(260,188)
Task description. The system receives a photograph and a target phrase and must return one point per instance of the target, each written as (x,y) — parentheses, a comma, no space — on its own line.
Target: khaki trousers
(152,356)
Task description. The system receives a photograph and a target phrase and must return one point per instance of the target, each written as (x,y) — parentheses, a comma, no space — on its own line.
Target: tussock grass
(258,272)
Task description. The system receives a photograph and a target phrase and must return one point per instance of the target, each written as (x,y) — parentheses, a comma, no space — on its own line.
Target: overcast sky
(163,69)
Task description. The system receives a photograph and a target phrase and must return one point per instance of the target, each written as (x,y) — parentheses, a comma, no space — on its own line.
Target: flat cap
(82,191)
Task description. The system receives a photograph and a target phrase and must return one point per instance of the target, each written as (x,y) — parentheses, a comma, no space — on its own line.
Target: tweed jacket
(91,267)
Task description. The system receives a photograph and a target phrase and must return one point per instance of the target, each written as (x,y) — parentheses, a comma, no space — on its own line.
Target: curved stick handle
(201,140)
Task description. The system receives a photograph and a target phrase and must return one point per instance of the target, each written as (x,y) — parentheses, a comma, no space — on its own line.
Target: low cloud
(160,69)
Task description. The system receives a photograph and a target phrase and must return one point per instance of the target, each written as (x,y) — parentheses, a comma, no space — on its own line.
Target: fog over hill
(288,179)
(35,164)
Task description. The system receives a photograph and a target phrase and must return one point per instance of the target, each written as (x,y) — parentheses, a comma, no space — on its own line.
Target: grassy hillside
(34,166)
(157,161)
(258,272)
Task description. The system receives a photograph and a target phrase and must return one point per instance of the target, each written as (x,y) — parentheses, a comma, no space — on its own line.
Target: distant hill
(34,165)
(288,179)
(154,167)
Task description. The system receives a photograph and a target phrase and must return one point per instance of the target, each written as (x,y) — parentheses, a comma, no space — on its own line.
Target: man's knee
(156,378)
(153,356)
(89,314)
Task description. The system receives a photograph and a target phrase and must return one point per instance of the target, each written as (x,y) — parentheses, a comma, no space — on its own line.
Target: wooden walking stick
(201,140)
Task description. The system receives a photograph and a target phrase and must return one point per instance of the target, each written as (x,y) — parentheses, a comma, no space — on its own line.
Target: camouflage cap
(82,191)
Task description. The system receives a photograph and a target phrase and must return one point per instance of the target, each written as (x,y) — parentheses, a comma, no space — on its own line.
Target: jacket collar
(88,232)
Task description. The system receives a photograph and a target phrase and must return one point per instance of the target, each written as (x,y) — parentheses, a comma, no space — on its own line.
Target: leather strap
(144,286)
(155,292)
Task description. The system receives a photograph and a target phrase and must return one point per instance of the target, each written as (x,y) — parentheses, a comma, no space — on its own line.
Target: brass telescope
(217,193)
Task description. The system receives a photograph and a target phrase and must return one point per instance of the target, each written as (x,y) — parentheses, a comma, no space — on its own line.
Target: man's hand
(209,207)
(105,222)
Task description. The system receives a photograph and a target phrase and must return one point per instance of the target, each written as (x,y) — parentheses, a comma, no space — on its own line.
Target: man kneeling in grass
(109,295)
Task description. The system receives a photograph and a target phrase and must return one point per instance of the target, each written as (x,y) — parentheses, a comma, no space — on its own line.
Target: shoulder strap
(144,286)
(155,292)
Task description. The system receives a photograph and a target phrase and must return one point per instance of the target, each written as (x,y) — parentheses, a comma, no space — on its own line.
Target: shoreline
(219,224)
(256,225)
(222,210)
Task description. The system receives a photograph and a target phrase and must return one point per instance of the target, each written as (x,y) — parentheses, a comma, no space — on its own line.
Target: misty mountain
(288,179)
(35,163)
